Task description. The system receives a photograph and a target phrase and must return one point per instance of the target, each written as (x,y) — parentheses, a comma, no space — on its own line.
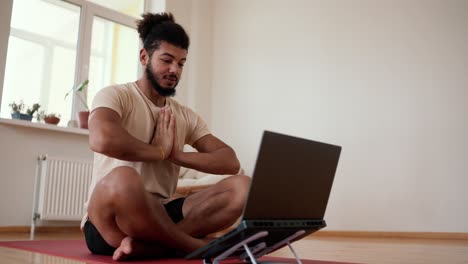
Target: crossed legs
(136,223)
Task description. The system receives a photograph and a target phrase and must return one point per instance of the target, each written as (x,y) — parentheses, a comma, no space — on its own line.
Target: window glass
(41,55)
(23,74)
(41,17)
(64,58)
(114,55)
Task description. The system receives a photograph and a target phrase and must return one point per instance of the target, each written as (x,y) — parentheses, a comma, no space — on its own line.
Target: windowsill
(23,123)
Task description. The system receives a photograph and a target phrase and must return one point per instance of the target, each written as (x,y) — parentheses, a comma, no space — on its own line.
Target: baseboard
(321,233)
(380,234)
(40,229)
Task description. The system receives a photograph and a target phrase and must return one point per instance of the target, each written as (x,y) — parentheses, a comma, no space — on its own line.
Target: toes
(117,255)
(127,250)
(124,251)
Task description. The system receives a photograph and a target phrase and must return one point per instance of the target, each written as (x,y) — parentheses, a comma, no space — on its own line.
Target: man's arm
(213,156)
(108,137)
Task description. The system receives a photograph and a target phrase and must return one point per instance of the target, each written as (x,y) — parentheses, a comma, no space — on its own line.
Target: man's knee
(118,182)
(239,187)
(109,194)
(240,183)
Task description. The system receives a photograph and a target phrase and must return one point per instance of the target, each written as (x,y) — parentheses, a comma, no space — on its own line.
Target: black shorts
(97,245)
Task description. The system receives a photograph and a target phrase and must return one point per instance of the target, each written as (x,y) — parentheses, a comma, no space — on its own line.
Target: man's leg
(215,208)
(131,219)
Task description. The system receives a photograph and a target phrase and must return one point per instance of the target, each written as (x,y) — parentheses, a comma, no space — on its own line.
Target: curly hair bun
(155,28)
(150,20)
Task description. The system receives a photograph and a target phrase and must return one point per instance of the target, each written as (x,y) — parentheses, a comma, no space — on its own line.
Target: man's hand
(164,136)
(176,149)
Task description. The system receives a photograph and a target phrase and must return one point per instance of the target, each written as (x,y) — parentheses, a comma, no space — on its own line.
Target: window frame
(88,11)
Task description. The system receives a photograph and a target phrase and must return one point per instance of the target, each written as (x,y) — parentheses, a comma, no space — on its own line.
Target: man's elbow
(99,143)
(234,166)
(228,164)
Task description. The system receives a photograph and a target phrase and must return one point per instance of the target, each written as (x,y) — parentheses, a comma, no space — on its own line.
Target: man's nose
(175,68)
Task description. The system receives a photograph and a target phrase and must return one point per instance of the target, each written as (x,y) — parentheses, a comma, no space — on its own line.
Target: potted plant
(50,118)
(17,111)
(82,115)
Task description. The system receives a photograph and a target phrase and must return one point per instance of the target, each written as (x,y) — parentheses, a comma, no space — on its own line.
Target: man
(137,133)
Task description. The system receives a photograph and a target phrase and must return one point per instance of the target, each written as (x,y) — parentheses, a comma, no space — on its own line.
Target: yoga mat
(77,250)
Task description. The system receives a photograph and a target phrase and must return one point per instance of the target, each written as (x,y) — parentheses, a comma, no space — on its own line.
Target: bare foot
(131,248)
(126,249)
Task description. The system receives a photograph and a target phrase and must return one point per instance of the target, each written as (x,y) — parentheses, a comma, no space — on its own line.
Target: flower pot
(17,115)
(52,120)
(83,119)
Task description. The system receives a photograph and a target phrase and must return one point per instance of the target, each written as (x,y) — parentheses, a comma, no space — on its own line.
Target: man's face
(164,68)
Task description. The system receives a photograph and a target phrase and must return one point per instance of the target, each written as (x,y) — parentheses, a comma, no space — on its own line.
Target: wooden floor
(345,249)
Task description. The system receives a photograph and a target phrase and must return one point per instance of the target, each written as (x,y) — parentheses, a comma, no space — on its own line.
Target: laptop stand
(255,252)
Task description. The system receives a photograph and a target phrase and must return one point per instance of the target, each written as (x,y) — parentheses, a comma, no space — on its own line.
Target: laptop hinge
(256,251)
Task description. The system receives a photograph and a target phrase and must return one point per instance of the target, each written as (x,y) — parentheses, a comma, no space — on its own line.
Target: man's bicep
(209,143)
(103,115)
(102,122)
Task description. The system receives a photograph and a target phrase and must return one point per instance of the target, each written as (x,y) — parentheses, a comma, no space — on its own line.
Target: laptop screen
(292,178)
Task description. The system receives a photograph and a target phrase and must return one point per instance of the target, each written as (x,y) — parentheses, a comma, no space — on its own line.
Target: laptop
(288,195)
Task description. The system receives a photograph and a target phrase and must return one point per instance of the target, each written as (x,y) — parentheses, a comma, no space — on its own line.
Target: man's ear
(144,57)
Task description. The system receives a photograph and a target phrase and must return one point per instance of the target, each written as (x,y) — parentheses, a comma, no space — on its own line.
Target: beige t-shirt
(138,116)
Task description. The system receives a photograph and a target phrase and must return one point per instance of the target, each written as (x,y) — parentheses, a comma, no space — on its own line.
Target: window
(55,44)
(116,65)
(38,48)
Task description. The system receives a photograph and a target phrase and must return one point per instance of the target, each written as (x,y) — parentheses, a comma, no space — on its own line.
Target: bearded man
(137,133)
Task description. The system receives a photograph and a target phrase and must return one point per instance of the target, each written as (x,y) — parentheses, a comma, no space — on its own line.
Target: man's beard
(154,83)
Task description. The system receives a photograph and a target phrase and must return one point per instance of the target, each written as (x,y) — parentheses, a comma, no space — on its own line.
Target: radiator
(60,188)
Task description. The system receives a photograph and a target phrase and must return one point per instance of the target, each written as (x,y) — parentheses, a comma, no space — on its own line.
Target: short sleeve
(110,97)
(197,127)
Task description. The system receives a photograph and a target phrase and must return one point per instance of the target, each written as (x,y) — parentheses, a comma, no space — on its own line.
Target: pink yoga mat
(77,250)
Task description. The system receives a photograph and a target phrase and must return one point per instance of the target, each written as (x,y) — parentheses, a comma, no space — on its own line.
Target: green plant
(78,89)
(41,115)
(19,108)
(30,111)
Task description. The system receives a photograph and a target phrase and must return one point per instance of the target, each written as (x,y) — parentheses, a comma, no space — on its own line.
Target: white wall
(194,88)
(387,80)
(19,149)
